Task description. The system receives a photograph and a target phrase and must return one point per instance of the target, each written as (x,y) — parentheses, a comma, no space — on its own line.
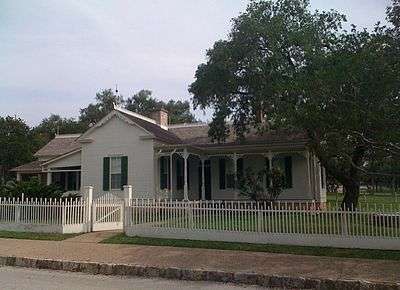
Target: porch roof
(196,137)
(31,167)
(60,145)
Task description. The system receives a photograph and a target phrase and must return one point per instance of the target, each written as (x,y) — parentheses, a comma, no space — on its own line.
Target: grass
(35,236)
(382,200)
(283,249)
(291,221)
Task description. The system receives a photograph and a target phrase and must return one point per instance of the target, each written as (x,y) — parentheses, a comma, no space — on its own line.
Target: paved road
(25,278)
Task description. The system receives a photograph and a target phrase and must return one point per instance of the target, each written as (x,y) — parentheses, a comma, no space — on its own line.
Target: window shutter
(106,173)
(240,168)
(288,172)
(267,169)
(161,173)
(124,171)
(169,173)
(222,171)
(179,173)
(164,172)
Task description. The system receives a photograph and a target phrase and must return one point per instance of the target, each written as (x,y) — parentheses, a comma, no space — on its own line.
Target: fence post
(17,213)
(127,193)
(127,202)
(344,225)
(259,218)
(88,195)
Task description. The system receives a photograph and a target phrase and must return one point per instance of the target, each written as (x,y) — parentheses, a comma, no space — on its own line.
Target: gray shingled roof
(59,145)
(31,167)
(197,135)
(158,132)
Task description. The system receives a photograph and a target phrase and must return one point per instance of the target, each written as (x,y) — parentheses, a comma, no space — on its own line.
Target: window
(322,177)
(164,172)
(227,174)
(115,172)
(285,164)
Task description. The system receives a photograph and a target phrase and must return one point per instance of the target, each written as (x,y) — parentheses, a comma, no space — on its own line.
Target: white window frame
(115,173)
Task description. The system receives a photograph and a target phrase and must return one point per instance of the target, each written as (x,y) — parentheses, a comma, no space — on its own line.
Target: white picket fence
(108,212)
(44,215)
(259,222)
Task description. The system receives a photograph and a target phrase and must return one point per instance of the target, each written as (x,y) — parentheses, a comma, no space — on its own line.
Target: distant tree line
(19,141)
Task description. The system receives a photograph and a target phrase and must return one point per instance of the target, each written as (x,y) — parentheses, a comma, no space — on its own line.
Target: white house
(174,161)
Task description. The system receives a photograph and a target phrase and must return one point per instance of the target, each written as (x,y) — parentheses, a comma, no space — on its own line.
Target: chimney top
(160,116)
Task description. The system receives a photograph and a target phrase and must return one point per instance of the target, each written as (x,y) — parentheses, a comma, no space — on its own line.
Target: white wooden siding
(116,137)
(70,160)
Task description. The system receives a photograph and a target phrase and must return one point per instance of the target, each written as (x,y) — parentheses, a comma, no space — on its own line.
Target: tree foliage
(143,103)
(303,71)
(104,104)
(53,125)
(15,144)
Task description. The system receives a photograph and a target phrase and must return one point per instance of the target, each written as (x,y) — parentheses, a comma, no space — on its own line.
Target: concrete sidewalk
(81,249)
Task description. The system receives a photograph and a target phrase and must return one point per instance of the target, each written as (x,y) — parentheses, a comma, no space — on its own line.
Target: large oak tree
(303,71)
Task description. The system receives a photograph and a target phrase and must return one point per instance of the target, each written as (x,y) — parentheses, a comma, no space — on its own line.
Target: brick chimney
(160,116)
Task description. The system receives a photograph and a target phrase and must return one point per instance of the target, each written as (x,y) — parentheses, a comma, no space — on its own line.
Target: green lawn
(285,249)
(288,221)
(35,236)
(383,201)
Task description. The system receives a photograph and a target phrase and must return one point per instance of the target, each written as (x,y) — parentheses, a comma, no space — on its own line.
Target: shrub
(253,184)
(31,189)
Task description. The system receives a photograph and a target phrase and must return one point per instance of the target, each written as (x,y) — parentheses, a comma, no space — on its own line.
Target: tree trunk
(351,195)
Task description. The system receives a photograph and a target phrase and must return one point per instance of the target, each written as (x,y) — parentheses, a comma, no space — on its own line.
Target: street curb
(273,281)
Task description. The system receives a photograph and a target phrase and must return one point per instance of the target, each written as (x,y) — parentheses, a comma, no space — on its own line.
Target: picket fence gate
(107,213)
(259,222)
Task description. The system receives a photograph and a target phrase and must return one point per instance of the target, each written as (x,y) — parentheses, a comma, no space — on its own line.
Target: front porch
(189,173)
(67,179)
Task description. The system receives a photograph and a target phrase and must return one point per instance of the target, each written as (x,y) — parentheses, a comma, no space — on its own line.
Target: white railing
(44,215)
(261,222)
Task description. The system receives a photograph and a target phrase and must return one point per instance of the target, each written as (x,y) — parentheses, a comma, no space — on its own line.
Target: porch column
(48,181)
(235,158)
(203,186)
(19,176)
(185,175)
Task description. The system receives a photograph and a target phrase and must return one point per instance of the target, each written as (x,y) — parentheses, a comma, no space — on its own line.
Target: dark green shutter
(164,172)
(240,170)
(222,173)
(161,173)
(106,173)
(288,172)
(169,173)
(124,171)
(268,171)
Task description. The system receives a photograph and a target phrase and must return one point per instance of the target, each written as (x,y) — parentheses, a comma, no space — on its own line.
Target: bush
(252,184)
(31,189)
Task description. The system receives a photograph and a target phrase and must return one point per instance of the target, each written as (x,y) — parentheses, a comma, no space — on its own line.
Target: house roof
(197,135)
(60,145)
(31,167)
(158,132)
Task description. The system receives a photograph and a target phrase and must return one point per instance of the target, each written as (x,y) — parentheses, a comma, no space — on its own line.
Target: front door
(207,179)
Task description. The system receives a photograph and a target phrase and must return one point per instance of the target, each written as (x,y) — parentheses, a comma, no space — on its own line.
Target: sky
(55,55)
